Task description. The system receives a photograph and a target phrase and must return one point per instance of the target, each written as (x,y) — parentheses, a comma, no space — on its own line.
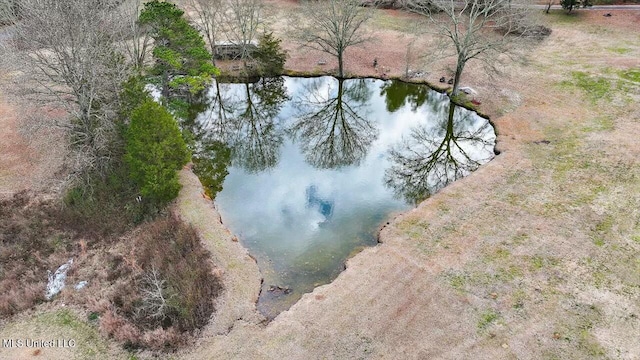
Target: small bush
(160,338)
(170,291)
(270,56)
(116,326)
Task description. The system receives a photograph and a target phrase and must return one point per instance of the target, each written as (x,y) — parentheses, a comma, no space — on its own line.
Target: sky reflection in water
(317,165)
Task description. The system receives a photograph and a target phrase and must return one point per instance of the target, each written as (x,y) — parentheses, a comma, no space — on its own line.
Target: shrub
(270,56)
(160,338)
(569,4)
(169,290)
(106,207)
(173,251)
(114,325)
(154,151)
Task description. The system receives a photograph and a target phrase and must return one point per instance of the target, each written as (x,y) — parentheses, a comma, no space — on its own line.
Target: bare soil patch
(29,159)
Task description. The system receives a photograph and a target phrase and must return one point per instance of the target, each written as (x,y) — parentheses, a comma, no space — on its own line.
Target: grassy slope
(549,249)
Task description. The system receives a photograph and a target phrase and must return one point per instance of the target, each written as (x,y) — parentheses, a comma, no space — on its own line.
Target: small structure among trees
(231,50)
(243,19)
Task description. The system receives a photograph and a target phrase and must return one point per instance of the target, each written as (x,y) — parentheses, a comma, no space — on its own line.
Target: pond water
(305,170)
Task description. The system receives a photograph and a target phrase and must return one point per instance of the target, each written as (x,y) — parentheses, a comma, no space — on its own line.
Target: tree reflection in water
(218,118)
(431,158)
(210,154)
(240,129)
(301,218)
(254,136)
(211,165)
(331,130)
(397,93)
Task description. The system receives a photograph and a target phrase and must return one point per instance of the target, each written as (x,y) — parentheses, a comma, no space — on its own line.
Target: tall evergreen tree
(155,150)
(270,55)
(569,4)
(182,60)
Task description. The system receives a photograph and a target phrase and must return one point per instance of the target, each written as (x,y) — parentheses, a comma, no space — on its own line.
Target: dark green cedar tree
(154,151)
(181,59)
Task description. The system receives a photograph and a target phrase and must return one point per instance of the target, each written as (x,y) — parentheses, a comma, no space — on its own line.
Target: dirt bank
(239,272)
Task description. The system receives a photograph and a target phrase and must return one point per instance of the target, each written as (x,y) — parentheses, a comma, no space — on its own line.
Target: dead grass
(58,324)
(533,256)
(37,236)
(32,243)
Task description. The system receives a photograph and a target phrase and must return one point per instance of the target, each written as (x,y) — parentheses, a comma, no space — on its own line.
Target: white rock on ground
(56,280)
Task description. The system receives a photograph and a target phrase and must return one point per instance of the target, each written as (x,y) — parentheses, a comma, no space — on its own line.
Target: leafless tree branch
(63,55)
(332,26)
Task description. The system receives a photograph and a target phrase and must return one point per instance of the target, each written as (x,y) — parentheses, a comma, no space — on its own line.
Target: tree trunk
(340,72)
(213,51)
(456,78)
(407,60)
(548,7)
(165,86)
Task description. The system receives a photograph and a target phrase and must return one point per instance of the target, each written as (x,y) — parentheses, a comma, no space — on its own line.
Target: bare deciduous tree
(209,15)
(65,52)
(476,29)
(243,18)
(332,26)
(549,4)
(155,296)
(137,39)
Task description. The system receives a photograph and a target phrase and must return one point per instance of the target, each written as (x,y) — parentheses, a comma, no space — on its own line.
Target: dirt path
(239,272)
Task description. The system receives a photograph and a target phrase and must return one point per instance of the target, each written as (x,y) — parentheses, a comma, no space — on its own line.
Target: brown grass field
(534,256)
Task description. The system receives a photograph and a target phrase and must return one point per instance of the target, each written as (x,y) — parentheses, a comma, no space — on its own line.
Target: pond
(305,170)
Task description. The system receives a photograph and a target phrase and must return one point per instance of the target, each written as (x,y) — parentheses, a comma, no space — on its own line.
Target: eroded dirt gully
(532,256)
